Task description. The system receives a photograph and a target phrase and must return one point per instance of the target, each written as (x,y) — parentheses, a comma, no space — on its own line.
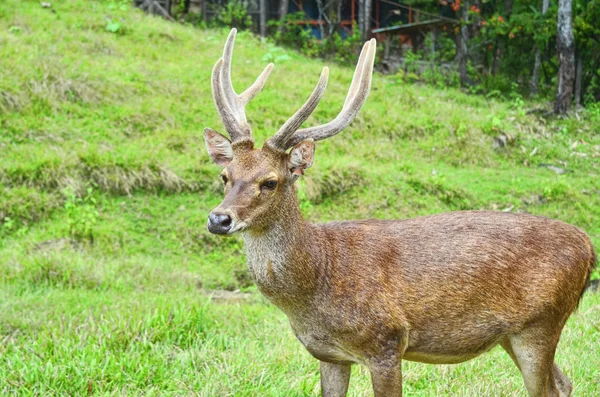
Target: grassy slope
(122,113)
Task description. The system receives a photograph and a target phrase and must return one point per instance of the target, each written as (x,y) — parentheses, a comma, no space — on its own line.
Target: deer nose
(219,223)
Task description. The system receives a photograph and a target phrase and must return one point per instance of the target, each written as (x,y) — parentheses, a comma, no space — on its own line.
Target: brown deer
(436,289)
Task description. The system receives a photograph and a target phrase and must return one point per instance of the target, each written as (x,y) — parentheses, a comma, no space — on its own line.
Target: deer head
(259,183)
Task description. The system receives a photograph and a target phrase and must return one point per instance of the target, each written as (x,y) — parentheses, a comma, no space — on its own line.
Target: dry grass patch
(321,185)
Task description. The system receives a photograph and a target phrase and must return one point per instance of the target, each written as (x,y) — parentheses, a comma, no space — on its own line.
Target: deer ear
(219,147)
(301,157)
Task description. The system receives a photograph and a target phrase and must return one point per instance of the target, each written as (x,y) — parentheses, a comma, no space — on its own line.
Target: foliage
(291,32)
(517,101)
(502,46)
(235,14)
(418,68)
(586,15)
(113,27)
(82,214)
(114,23)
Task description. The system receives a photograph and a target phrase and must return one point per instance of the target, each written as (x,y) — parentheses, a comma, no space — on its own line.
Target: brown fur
(593,265)
(437,289)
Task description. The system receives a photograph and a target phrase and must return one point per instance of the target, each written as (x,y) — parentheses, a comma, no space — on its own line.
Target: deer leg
(386,377)
(334,379)
(563,384)
(533,353)
(505,343)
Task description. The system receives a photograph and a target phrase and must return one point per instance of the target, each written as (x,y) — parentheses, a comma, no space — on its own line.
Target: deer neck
(282,257)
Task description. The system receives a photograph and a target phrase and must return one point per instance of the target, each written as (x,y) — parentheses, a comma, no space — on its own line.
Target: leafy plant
(8,224)
(82,214)
(235,14)
(294,33)
(516,100)
(121,5)
(275,55)
(113,26)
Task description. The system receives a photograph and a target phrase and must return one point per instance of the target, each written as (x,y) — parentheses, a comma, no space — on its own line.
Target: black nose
(219,223)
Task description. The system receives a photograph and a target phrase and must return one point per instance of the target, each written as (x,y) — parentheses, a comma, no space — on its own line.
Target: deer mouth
(237,227)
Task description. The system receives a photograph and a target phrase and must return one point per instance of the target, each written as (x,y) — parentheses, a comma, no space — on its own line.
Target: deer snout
(219,223)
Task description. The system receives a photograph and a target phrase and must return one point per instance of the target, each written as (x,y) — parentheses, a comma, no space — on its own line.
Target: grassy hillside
(105,185)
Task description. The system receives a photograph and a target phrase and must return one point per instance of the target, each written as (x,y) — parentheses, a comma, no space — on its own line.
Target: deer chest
(323,345)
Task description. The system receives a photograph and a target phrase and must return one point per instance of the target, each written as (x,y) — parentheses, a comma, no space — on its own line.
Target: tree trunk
(339,16)
(334,12)
(565,46)
(284,5)
(508,7)
(501,44)
(496,57)
(433,41)
(535,76)
(322,15)
(263,18)
(461,45)
(364,18)
(578,79)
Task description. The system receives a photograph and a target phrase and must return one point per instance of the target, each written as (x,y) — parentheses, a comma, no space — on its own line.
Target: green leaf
(113,27)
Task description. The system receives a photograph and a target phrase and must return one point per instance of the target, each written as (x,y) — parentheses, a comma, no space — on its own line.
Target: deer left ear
(219,147)
(301,157)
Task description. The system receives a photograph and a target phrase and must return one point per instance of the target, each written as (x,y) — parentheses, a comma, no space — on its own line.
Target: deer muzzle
(219,223)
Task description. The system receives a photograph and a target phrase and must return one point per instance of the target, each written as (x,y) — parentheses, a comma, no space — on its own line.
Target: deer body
(436,289)
(447,287)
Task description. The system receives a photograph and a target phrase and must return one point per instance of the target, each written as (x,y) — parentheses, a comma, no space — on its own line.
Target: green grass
(106,292)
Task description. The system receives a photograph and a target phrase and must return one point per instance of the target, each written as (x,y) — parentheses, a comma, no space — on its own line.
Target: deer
(439,289)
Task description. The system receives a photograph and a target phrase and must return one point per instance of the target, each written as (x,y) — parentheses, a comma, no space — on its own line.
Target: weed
(516,100)
(15,29)
(82,214)
(113,26)
(275,55)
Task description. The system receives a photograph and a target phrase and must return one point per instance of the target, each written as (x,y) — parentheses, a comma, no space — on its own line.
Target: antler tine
(257,86)
(279,140)
(225,75)
(357,77)
(231,106)
(223,108)
(357,95)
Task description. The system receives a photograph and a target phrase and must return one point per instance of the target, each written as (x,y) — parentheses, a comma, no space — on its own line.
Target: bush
(293,33)
(82,214)
(235,14)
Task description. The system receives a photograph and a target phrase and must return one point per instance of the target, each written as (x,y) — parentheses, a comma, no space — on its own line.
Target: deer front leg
(334,379)
(386,376)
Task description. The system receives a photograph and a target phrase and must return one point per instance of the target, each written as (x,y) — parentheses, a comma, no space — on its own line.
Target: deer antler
(288,135)
(231,106)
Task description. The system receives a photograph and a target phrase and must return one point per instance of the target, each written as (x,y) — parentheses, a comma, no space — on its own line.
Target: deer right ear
(301,157)
(218,146)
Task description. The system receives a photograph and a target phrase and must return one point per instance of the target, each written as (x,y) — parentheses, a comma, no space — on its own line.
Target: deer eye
(270,184)
(224,178)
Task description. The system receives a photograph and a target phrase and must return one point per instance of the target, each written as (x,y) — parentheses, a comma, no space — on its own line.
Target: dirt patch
(224,296)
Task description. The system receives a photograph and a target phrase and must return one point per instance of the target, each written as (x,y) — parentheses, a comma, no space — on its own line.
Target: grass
(106,268)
